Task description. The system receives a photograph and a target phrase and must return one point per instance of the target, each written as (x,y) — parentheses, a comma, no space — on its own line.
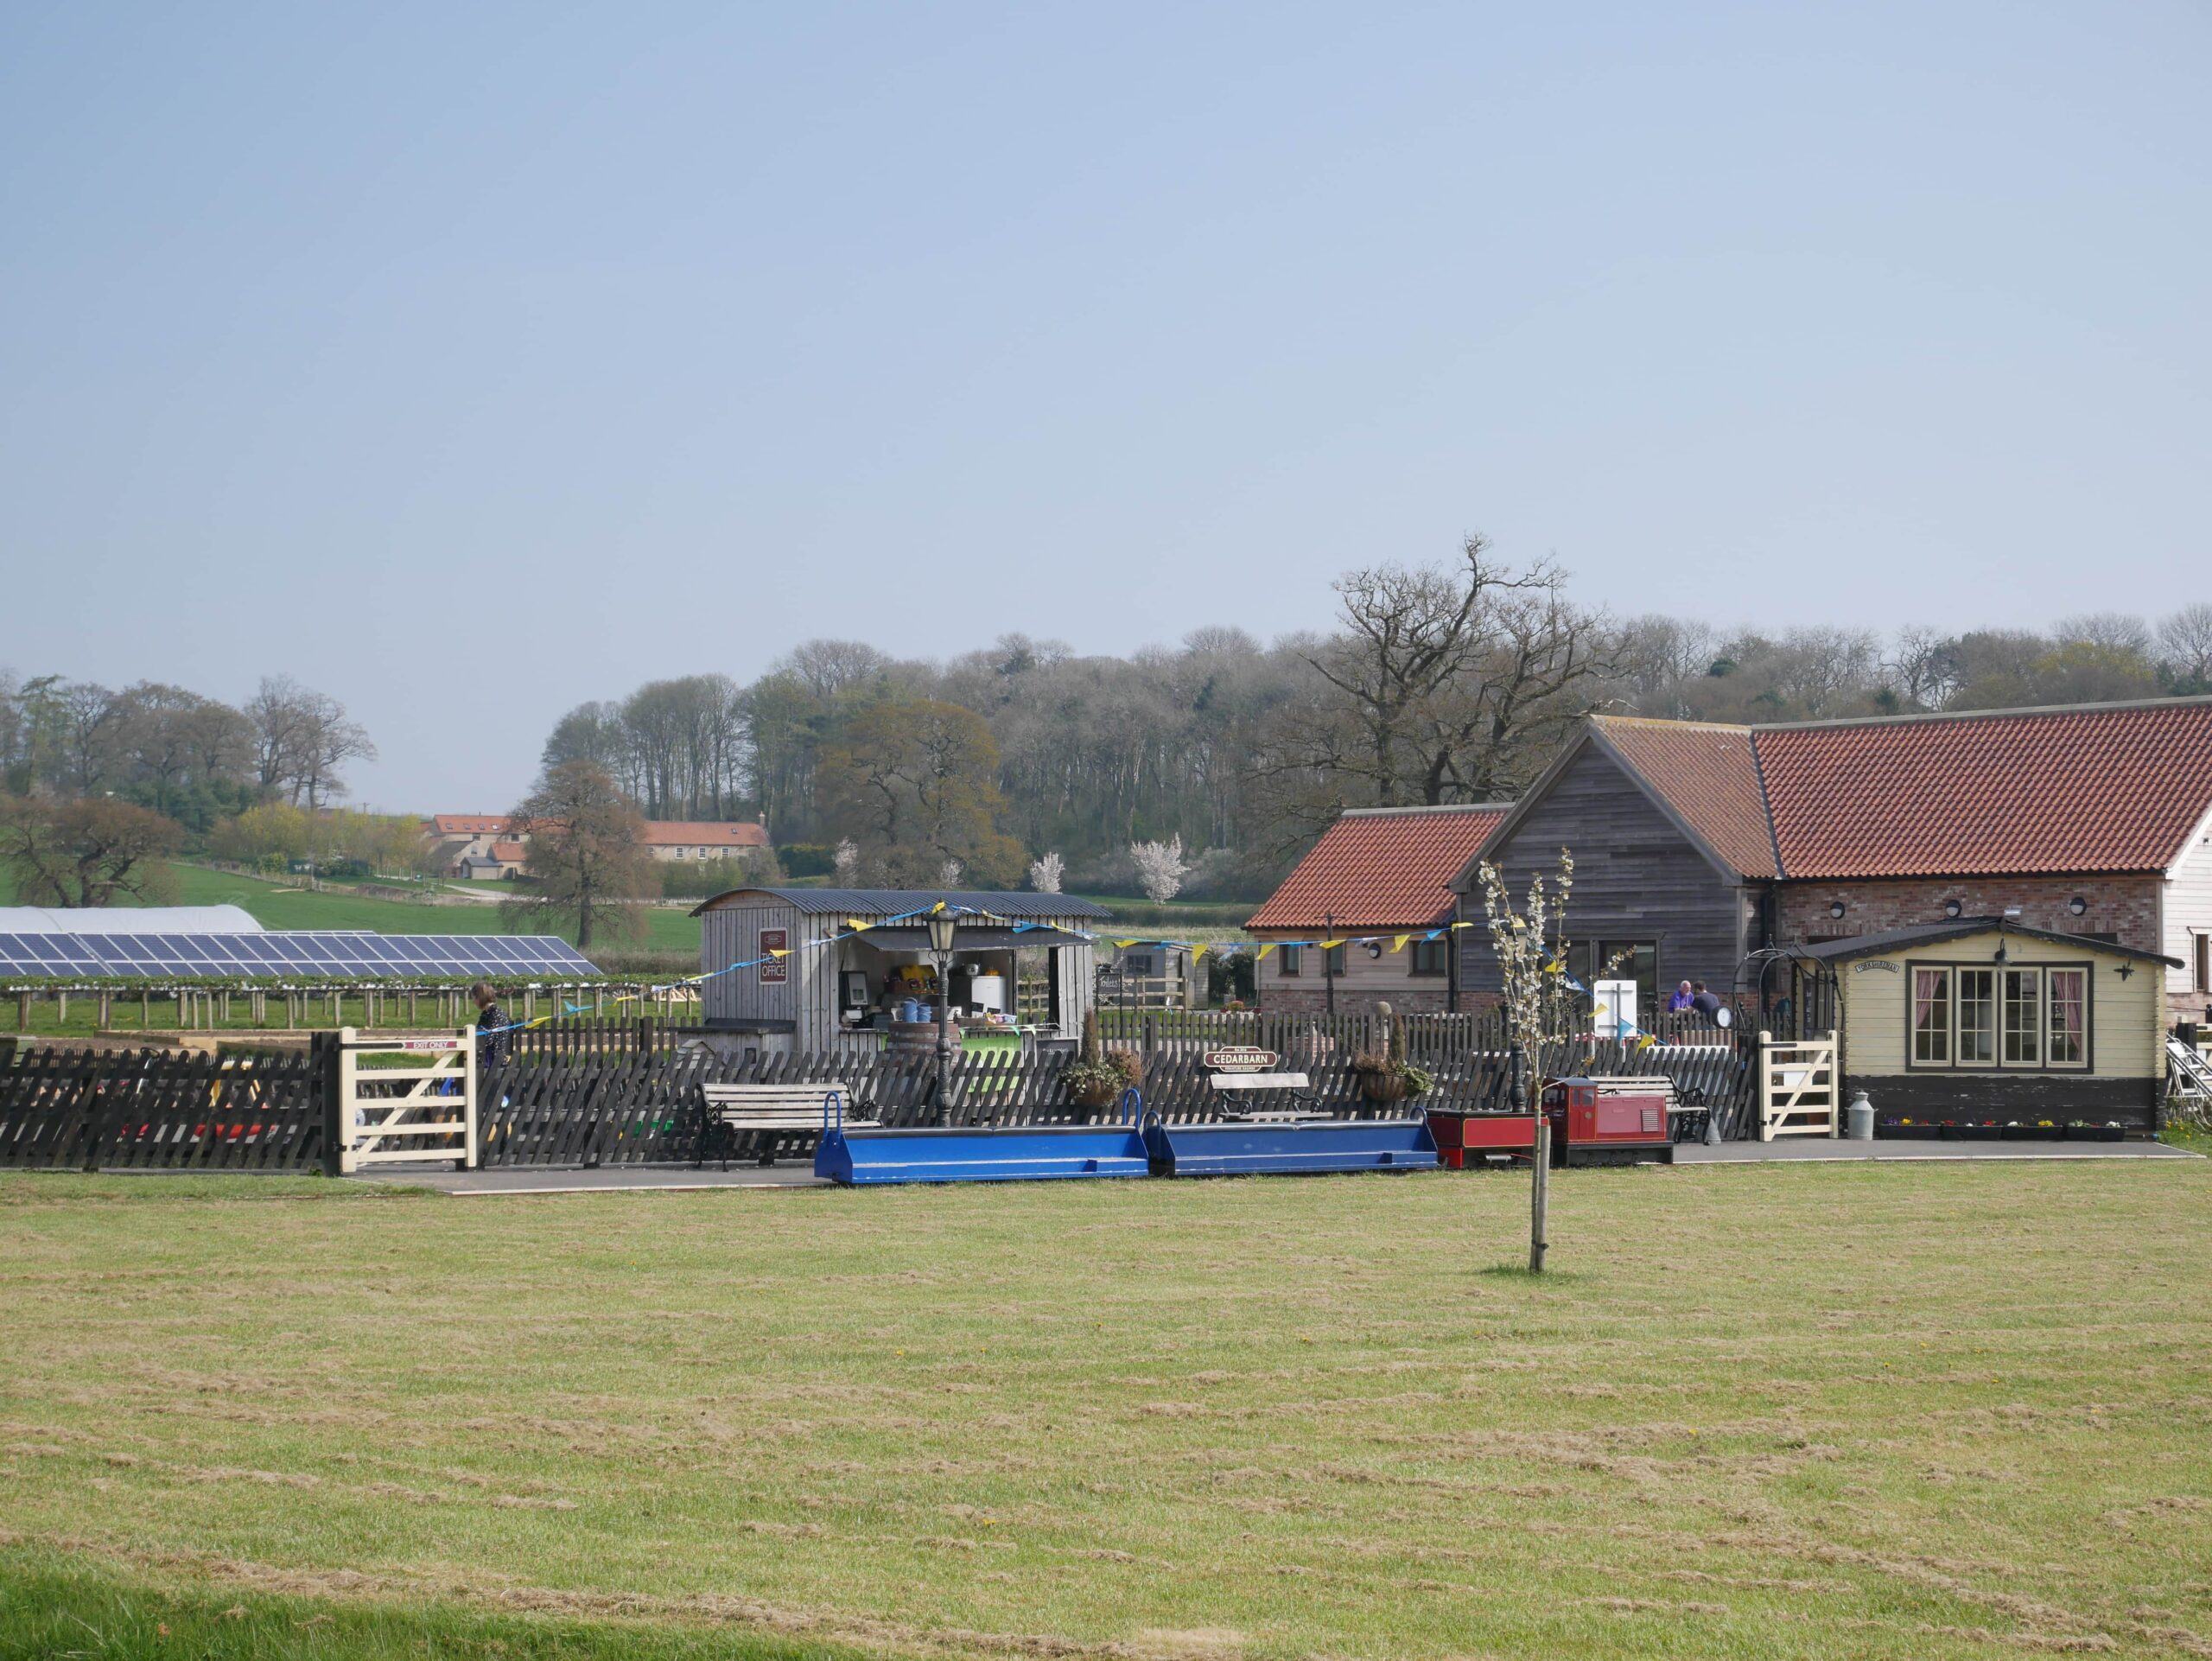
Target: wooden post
(1539,1197)
(145,1008)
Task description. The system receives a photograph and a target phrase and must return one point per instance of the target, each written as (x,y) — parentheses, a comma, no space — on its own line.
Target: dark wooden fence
(161,1110)
(627,1092)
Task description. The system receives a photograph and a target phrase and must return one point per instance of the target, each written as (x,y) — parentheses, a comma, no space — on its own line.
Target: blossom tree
(1160,868)
(1046,873)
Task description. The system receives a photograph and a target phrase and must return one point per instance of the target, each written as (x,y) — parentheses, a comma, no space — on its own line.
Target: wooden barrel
(919,1037)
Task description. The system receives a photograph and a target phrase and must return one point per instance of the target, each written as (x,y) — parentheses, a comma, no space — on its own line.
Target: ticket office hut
(819,997)
(1982,1017)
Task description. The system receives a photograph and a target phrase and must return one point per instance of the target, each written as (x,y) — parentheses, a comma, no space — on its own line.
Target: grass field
(667,927)
(1867,1410)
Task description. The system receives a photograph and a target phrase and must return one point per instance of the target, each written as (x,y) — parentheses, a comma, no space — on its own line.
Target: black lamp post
(1329,960)
(942,927)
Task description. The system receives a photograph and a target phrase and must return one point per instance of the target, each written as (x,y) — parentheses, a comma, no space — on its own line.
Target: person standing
(493,1037)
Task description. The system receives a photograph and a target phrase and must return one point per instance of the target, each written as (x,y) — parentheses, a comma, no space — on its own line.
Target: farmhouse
(1981,1017)
(817,998)
(1378,870)
(700,839)
(1708,852)
(478,846)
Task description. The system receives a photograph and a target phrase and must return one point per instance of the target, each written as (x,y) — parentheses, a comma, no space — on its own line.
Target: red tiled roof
(689,833)
(468,824)
(1380,868)
(2111,788)
(509,853)
(1708,773)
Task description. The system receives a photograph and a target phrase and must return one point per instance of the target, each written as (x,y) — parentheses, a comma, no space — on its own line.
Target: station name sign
(1241,1059)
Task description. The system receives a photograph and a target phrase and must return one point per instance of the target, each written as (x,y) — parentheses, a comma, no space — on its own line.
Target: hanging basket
(1382,1088)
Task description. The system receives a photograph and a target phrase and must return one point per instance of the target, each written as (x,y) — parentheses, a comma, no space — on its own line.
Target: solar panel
(293,954)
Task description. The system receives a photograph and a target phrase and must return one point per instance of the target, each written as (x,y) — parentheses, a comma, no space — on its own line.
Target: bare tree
(1924,667)
(2185,643)
(828,667)
(327,741)
(278,710)
(583,854)
(2119,631)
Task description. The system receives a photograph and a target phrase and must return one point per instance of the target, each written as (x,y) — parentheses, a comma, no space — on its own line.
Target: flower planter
(2096,1133)
(1382,1088)
(1096,1096)
(1892,1130)
(2033,1132)
(1973,1132)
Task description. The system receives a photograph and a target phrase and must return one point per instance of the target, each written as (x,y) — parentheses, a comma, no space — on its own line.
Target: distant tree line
(1448,683)
(99,786)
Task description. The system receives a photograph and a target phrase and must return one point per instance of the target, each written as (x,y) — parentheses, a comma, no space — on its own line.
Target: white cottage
(820,997)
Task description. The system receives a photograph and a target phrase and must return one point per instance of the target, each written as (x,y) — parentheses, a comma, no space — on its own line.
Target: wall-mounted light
(2077,904)
(2127,971)
(1375,948)
(2003,956)
(1952,908)
(1836,908)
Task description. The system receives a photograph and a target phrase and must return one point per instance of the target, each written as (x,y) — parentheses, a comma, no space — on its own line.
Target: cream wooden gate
(419,1103)
(1797,1087)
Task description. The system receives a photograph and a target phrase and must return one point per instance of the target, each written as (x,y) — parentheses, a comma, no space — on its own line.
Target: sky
(467,362)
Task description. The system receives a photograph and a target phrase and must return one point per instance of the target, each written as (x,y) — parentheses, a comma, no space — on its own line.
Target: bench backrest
(1259,1081)
(769,1096)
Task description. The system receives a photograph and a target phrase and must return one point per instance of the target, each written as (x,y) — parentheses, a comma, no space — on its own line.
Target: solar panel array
(291,955)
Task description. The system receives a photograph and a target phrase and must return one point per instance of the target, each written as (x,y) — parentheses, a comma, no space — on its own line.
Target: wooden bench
(1297,1083)
(778,1113)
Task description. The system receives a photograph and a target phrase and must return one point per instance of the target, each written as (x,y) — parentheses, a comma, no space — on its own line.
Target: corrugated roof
(131,919)
(2115,787)
(1709,774)
(895,902)
(1382,868)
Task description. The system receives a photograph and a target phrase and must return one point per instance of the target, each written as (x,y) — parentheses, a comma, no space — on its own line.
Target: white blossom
(1045,873)
(1160,868)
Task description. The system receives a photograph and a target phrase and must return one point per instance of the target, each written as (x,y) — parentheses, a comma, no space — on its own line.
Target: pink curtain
(1926,989)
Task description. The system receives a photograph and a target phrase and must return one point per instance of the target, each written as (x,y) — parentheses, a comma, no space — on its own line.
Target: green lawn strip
(1866,1410)
(70,1187)
(56,1605)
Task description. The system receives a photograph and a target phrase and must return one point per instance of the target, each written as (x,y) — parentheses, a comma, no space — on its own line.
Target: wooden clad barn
(1710,852)
(1984,1017)
(822,997)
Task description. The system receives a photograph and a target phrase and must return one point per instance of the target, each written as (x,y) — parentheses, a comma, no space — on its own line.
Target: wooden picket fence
(162,1110)
(625,1092)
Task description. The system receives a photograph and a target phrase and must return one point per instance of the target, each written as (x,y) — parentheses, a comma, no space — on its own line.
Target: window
(2070,1018)
(2204,963)
(1432,957)
(1931,1016)
(1335,964)
(1136,963)
(2023,1017)
(1290,961)
(1977,1017)
(1966,1015)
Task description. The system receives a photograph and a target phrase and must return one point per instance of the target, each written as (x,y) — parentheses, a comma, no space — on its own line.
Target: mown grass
(1864,1409)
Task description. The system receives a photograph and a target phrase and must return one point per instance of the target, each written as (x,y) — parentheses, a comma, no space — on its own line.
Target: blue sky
(467,362)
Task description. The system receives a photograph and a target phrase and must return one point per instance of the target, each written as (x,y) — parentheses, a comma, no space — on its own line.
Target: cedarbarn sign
(1241,1059)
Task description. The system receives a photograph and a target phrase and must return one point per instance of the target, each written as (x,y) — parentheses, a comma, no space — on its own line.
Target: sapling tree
(1530,946)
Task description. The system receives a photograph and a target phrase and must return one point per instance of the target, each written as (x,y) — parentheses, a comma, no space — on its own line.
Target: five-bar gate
(417,1101)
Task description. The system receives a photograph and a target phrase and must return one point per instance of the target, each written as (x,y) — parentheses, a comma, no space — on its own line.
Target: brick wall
(2123,906)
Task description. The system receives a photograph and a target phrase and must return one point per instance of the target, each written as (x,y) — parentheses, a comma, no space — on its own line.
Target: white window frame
(1954,1031)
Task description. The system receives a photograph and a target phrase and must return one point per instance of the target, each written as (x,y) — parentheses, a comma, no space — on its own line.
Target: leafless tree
(828,667)
(2185,643)
(2119,631)
(279,712)
(328,741)
(1924,667)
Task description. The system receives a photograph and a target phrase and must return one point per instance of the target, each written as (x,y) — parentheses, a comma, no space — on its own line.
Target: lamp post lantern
(943,925)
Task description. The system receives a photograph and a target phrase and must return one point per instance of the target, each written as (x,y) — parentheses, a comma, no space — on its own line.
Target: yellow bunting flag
(1331,945)
(1198,950)
(1123,945)
(857,926)
(1399,945)
(1266,947)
